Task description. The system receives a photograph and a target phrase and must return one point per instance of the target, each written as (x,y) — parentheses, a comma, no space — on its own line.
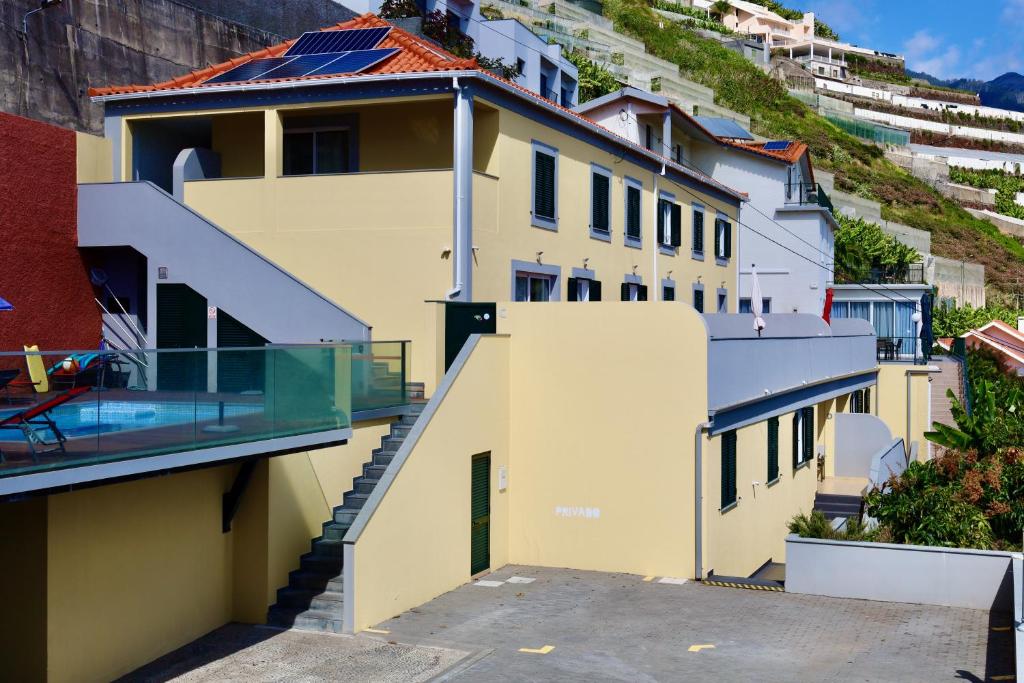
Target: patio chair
(34,421)
(38,377)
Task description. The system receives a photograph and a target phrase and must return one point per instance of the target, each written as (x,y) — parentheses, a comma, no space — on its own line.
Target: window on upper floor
(766,305)
(698,300)
(633,200)
(669,223)
(600,200)
(545,180)
(668,292)
(803,436)
(728,469)
(633,291)
(584,289)
(723,238)
(318,145)
(520,66)
(698,231)
(723,302)
(773,449)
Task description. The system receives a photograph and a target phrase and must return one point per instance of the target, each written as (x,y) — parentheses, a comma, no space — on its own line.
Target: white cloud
(921,44)
(1013,10)
(927,52)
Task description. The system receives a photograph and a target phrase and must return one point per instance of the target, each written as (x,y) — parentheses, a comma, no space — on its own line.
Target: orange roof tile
(416,55)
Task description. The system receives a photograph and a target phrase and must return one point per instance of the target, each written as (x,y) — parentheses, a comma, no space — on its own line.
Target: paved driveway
(618,627)
(536,624)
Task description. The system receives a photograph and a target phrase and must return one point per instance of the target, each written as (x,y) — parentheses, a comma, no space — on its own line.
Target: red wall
(41,270)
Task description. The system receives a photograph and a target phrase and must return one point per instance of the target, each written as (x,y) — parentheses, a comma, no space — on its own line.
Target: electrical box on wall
(502,478)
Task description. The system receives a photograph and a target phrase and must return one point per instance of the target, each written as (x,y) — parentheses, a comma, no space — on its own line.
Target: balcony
(96,415)
(808,194)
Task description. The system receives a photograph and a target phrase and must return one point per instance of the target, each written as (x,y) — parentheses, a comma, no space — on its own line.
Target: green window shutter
(480,515)
(773,449)
(669,294)
(595,290)
(641,293)
(624,290)
(698,231)
(796,439)
(867,400)
(698,300)
(544,185)
(858,401)
(633,211)
(677,225)
(808,433)
(573,289)
(727,230)
(661,221)
(599,202)
(728,468)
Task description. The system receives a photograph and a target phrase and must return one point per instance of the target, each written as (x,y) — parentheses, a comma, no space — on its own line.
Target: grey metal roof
(724,128)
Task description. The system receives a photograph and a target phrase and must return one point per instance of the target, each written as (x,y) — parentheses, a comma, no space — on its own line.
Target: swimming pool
(88,418)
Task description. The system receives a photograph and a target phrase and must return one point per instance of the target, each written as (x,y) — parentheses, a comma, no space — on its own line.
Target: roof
(416,55)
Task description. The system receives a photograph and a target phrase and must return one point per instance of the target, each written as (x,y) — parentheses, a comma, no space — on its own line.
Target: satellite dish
(98,276)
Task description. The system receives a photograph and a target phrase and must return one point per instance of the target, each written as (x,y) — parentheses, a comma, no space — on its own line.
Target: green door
(480,515)
(462,320)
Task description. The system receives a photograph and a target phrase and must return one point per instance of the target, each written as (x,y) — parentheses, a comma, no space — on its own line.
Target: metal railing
(910,274)
(808,194)
(899,350)
(71,409)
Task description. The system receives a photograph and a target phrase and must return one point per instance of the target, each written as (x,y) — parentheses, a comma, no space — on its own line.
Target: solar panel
(249,70)
(298,66)
(354,62)
(323,42)
(777,146)
(724,128)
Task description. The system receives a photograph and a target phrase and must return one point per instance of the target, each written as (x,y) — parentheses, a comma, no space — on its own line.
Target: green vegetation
(693,17)
(860,168)
(594,80)
(1007,186)
(816,525)
(877,69)
(952,322)
(862,247)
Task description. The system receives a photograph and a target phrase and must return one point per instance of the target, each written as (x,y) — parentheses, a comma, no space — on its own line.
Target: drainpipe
(909,413)
(462,213)
(698,500)
(655,283)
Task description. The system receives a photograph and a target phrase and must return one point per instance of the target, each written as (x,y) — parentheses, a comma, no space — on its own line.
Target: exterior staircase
(834,505)
(313,598)
(949,377)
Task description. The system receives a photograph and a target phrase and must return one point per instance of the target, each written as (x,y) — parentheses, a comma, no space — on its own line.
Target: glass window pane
(905,326)
(840,309)
(522,288)
(298,153)
(583,290)
(332,151)
(883,318)
(745,306)
(540,289)
(860,309)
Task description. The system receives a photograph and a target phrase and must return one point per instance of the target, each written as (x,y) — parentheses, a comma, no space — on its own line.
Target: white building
(786,228)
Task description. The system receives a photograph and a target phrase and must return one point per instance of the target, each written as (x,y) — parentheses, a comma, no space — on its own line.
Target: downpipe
(698,499)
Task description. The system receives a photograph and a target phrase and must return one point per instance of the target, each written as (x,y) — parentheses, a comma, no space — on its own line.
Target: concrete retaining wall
(960,280)
(1007,224)
(950,577)
(966,193)
(909,123)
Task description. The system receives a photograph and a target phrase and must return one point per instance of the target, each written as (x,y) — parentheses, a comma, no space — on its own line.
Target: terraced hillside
(859,168)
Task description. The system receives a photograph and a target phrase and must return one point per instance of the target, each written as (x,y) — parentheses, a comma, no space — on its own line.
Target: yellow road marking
(1008,677)
(748,586)
(539,651)
(377,630)
(698,648)
(648,578)
(1000,628)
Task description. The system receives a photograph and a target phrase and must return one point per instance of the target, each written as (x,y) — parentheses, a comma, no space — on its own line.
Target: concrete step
(355,500)
(315,581)
(327,547)
(399,430)
(382,458)
(373,471)
(364,484)
(309,598)
(322,564)
(306,620)
(344,515)
(334,530)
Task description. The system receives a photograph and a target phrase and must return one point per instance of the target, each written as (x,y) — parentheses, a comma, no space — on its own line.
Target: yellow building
(304,480)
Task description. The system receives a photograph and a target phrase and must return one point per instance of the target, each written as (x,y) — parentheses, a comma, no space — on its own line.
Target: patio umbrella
(756,302)
(5,305)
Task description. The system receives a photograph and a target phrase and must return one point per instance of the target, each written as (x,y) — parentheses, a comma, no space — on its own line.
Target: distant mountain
(1005,92)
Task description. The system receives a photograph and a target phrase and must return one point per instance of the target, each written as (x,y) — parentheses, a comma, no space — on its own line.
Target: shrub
(861,247)
(953,322)
(594,80)
(816,525)
(399,9)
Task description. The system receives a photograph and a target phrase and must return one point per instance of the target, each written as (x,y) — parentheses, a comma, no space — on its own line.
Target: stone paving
(618,627)
(591,626)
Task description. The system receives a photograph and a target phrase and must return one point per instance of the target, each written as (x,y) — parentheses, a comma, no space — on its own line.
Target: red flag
(827,313)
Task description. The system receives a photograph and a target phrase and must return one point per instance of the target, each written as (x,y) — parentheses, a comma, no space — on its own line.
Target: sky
(946,38)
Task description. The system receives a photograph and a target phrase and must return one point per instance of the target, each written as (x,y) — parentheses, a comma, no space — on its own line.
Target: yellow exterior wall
(890,402)
(379,243)
(94,158)
(417,543)
(23,590)
(740,540)
(135,570)
(603,411)
(238,139)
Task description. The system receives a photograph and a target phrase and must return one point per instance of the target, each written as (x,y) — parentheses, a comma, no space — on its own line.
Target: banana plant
(978,430)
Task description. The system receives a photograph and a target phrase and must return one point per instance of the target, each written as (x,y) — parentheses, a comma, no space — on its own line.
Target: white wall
(791,281)
(915,102)
(910,123)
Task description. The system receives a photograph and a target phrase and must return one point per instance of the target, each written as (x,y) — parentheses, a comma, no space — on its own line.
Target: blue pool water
(86,418)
